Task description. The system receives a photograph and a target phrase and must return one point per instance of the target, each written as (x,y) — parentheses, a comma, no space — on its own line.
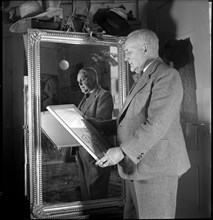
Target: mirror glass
(60,64)
(54,60)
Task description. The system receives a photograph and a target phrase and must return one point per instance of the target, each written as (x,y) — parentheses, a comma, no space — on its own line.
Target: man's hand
(113,156)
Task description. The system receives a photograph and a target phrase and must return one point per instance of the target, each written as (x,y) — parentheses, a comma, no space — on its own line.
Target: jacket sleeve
(104,107)
(164,106)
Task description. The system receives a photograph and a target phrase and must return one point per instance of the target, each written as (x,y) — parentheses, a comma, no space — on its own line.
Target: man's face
(134,55)
(85,83)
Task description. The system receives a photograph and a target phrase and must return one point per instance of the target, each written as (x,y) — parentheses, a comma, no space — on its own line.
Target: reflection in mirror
(54,59)
(60,64)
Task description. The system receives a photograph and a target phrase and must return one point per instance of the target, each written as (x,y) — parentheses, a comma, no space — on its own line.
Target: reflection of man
(151,152)
(97,103)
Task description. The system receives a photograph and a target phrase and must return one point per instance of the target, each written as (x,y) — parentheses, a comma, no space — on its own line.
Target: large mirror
(54,59)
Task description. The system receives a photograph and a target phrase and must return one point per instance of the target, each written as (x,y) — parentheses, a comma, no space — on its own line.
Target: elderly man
(97,103)
(151,152)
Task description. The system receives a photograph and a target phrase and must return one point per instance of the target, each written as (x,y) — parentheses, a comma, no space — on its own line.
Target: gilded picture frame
(33,122)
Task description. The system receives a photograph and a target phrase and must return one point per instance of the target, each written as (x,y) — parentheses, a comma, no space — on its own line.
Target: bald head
(141,47)
(145,37)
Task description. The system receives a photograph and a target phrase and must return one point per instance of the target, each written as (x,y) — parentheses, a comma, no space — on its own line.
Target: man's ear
(145,48)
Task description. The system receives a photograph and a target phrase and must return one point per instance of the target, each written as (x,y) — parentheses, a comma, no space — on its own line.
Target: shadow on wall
(166,26)
(143,13)
(178,53)
(159,20)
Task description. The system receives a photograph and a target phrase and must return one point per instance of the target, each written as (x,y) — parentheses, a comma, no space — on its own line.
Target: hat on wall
(34,9)
(113,21)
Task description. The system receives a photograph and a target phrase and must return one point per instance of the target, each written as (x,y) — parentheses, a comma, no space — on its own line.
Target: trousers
(151,199)
(94,180)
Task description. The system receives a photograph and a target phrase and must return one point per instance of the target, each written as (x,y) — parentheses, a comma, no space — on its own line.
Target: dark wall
(13,70)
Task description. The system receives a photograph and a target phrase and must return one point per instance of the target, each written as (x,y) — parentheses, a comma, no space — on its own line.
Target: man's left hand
(113,156)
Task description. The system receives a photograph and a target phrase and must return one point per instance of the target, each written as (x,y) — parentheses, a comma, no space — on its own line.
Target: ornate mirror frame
(33,143)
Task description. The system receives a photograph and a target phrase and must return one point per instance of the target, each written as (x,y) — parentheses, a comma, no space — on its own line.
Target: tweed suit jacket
(148,127)
(99,104)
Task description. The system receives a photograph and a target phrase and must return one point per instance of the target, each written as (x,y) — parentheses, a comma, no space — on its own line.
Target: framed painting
(83,131)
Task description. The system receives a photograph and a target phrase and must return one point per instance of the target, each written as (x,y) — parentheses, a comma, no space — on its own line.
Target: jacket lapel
(141,83)
(91,98)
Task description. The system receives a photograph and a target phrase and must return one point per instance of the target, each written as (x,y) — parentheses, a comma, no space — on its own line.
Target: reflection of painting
(72,119)
(49,91)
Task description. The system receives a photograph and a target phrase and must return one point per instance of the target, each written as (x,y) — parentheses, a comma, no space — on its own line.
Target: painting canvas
(84,132)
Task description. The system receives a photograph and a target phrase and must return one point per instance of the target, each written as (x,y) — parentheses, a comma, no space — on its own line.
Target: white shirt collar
(147,66)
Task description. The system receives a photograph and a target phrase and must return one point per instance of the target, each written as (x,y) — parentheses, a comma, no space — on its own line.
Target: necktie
(135,77)
(86,96)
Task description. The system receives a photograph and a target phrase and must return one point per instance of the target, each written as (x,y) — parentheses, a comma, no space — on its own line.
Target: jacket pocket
(155,158)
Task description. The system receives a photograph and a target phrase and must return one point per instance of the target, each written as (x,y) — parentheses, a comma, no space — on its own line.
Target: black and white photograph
(106,109)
